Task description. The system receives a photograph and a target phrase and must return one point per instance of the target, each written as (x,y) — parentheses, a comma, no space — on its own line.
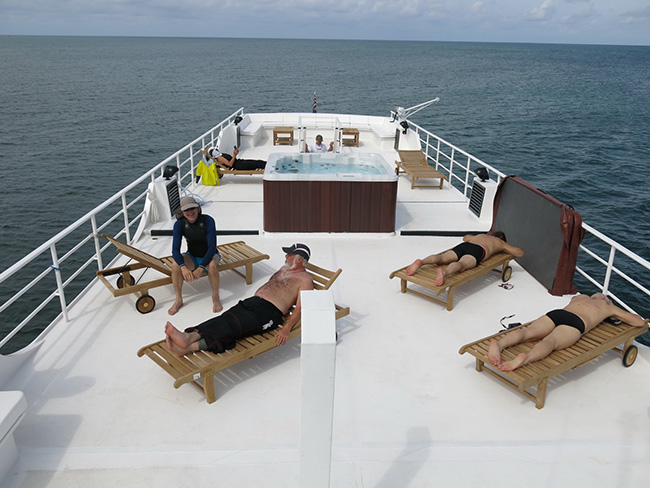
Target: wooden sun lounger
(415,164)
(427,274)
(601,339)
(233,255)
(199,368)
(222,169)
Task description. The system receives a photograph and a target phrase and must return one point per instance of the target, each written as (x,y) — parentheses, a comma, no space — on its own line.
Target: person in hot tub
(319,147)
(233,162)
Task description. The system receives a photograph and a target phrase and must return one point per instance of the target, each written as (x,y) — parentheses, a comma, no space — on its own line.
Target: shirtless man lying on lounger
(559,329)
(466,255)
(255,315)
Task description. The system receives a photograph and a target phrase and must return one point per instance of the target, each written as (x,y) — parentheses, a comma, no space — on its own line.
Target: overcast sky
(547,21)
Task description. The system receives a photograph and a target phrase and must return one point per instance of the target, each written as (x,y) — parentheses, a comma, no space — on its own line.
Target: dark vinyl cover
(548,231)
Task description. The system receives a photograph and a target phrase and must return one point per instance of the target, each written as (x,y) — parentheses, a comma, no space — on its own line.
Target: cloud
(590,21)
(543,12)
(639,16)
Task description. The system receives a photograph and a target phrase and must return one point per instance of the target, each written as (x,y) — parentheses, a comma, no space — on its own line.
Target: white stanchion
(317,366)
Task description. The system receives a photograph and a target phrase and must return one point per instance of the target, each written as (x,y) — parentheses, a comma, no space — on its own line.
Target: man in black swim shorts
(254,315)
(466,255)
(559,329)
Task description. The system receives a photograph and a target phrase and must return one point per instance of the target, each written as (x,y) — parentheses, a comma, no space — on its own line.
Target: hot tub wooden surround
(329,206)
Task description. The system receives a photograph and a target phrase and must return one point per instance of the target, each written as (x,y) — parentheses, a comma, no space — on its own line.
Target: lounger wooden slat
(233,255)
(427,275)
(199,368)
(415,164)
(603,338)
(222,169)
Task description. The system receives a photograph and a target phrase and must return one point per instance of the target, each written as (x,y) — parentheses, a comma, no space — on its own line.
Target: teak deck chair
(600,339)
(222,169)
(199,368)
(233,255)
(427,274)
(414,163)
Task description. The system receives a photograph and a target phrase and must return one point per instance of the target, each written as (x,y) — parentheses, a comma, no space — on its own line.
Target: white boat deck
(409,410)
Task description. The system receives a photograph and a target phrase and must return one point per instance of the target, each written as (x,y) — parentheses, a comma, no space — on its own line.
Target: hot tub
(329,193)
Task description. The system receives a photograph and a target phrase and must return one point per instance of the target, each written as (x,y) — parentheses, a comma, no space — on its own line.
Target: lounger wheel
(630,356)
(507,273)
(145,304)
(121,282)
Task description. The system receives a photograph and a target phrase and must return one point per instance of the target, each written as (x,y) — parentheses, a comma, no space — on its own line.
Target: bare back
(593,310)
(283,287)
(493,245)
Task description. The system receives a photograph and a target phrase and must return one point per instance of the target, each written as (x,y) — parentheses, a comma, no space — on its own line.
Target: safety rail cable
(55,264)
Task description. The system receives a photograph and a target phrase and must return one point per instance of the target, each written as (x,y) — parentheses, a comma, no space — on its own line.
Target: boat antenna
(314,108)
(402,113)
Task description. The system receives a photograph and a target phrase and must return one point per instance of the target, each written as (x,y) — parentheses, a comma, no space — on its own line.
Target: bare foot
(176,336)
(413,267)
(513,364)
(216,305)
(175,349)
(174,308)
(494,354)
(441,277)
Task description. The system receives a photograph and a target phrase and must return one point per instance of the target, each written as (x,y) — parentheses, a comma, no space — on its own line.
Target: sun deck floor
(409,410)
(406,405)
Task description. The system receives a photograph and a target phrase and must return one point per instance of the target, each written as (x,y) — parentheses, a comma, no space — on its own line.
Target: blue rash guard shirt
(201,237)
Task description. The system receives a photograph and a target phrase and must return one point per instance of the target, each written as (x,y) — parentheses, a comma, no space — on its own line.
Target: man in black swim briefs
(466,255)
(559,329)
(564,317)
(254,315)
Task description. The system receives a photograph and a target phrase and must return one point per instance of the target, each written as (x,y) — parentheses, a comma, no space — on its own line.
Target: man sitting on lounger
(254,315)
(201,257)
(466,255)
(559,329)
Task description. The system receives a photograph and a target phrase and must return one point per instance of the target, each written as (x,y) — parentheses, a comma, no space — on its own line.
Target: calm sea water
(82,117)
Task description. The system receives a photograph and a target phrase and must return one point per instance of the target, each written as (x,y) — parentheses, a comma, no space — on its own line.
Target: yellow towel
(208,174)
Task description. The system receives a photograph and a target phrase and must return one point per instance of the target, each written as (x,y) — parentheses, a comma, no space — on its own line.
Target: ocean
(82,117)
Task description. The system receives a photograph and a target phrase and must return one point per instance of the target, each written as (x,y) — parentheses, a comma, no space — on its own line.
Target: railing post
(192,167)
(59,281)
(125,213)
(608,271)
(98,247)
(317,366)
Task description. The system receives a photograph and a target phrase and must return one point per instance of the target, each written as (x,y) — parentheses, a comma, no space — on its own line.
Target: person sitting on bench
(254,315)
(466,255)
(559,329)
(201,257)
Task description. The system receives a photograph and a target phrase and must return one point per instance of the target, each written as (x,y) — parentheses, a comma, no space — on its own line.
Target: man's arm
(515,251)
(283,335)
(211,229)
(222,159)
(627,317)
(176,243)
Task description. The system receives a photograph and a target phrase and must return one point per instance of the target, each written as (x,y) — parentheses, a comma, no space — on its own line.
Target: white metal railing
(611,268)
(459,167)
(73,262)
(453,162)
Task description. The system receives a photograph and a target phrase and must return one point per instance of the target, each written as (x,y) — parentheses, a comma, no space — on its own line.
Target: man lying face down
(466,255)
(559,329)
(255,315)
